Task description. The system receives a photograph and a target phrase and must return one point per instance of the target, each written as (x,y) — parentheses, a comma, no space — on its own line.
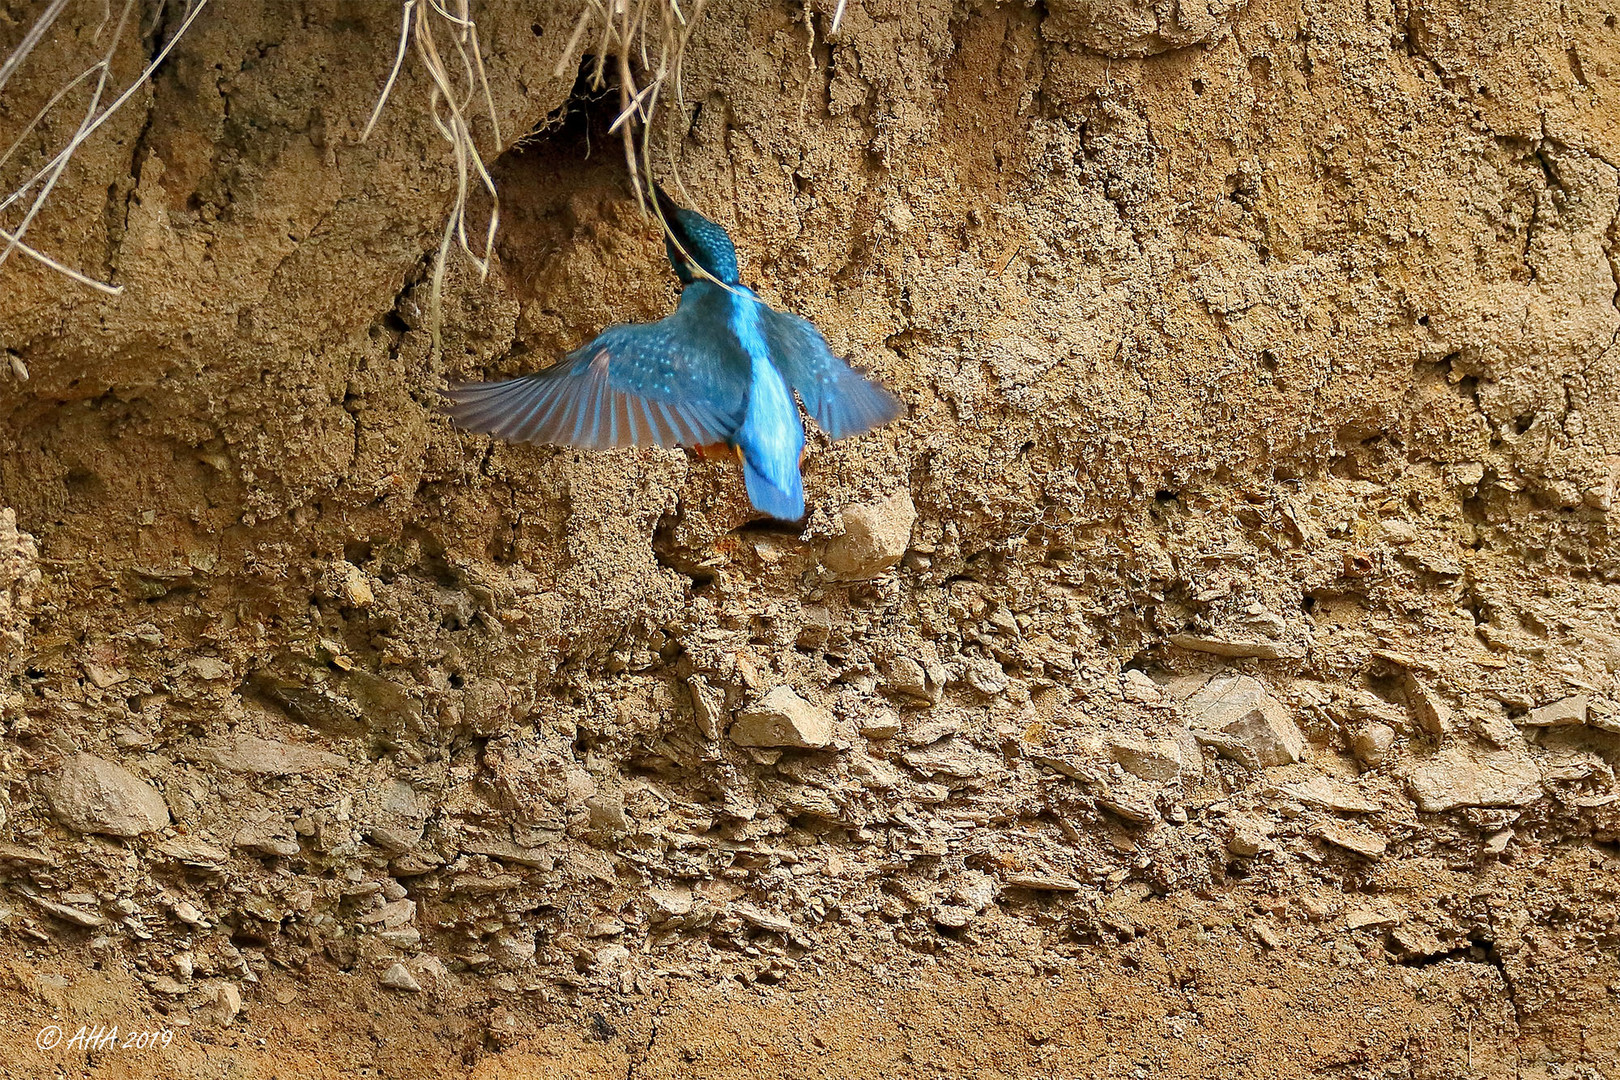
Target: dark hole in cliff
(565,187)
(85,484)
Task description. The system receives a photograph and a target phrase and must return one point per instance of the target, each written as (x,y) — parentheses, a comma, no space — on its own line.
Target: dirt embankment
(1215,672)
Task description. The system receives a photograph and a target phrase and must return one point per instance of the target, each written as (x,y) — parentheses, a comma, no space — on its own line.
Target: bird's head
(700,241)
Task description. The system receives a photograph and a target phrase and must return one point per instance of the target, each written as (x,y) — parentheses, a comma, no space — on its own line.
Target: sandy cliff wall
(1235,606)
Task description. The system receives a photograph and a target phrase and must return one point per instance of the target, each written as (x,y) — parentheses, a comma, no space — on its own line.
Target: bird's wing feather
(842,401)
(640,384)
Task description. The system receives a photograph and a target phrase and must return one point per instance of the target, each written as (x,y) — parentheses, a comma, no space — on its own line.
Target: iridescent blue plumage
(721,368)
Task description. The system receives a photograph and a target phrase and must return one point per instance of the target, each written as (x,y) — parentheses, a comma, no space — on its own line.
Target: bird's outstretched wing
(840,399)
(640,384)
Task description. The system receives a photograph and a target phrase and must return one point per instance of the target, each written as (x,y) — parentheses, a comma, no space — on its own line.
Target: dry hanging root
(631,34)
(654,27)
(450,112)
(645,40)
(40,185)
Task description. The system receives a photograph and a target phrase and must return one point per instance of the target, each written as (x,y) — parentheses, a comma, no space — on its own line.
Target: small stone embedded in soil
(975,889)
(1570,710)
(1379,912)
(396,840)
(782,718)
(1461,775)
(1235,647)
(1130,806)
(1373,743)
(356,586)
(220,1005)
(1413,939)
(68,913)
(875,537)
(880,724)
(1042,882)
(209,668)
(765,920)
(266,838)
(1239,707)
(609,957)
(670,903)
(1397,531)
(906,677)
(1353,838)
(708,710)
(1428,708)
(986,676)
(1138,687)
(269,757)
(1159,760)
(1249,834)
(90,795)
(511,950)
(398,977)
(1331,793)
(951,757)
(1267,934)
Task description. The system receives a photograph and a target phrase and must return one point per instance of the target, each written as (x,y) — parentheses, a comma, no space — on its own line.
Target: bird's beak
(666,205)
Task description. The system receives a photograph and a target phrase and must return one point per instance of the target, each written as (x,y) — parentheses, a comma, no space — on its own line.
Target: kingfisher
(717,375)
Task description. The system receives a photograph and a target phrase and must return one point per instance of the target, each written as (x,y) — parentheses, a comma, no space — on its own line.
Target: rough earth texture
(1214,673)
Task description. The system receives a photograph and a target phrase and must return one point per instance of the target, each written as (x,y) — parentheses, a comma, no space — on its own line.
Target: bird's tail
(768,498)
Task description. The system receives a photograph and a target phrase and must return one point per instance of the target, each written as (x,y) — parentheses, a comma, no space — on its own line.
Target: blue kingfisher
(717,373)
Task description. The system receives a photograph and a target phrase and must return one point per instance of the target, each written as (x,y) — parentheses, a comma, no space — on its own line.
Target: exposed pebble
(783,718)
(1159,760)
(909,678)
(1138,687)
(875,537)
(880,724)
(1372,744)
(1239,707)
(951,757)
(765,920)
(220,1005)
(1331,793)
(708,707)
(269,757)
(1570,710)
(1354,838)
(951,916)
(398,977)
(1465,775)
(1429,709)
(1249,834)
(90,795)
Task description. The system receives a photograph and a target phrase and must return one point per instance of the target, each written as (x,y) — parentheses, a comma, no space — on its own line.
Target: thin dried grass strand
(66,271)
(49,105)
(107,113)
(580,27)
(55,174)
(393,74)
(41,27)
